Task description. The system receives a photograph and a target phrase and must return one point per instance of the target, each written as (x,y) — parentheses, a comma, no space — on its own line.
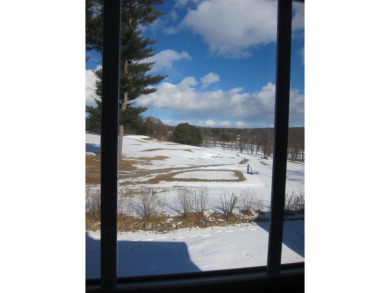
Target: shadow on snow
(92,148)
(141,258)
(293,233)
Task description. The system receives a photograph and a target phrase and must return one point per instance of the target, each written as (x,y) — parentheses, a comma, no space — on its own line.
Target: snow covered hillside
(167,168)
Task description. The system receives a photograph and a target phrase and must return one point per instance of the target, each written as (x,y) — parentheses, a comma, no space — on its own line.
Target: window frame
(273,277)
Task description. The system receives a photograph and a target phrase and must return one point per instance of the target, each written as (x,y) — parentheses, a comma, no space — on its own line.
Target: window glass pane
(94,37)
(196,196)
(293,231)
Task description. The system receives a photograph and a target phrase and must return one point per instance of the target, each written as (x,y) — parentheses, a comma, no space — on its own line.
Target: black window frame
(275,276)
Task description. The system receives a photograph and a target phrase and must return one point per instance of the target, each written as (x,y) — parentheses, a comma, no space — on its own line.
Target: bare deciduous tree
(266,142)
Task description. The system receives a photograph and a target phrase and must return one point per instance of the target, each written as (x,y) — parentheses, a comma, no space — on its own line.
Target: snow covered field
(167,167)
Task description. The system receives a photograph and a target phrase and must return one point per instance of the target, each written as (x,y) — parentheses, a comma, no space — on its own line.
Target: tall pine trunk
(121,130)
(121,126)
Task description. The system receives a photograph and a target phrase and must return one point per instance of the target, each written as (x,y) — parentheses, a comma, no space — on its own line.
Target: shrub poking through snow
(247,200)
(147,203)
(125,200)
(184,201)
(228,204)
(294,203)
(92,200)
(201,200)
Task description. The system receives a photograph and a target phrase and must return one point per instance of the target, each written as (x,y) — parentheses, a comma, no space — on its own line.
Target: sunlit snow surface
(196,249)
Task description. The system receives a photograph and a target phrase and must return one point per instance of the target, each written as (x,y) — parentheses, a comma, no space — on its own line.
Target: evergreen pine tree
(134,80)
(187,134)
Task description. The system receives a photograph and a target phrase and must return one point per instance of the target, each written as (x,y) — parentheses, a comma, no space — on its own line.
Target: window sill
(290,279)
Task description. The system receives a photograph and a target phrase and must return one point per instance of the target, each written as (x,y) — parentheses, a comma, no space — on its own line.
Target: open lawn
(203,237)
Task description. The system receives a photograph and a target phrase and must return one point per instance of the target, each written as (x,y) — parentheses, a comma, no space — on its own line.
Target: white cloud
(90,87)
(210,123)
(225,124)
(298,21)
(183,3)
(174,15)
(168,122)
(231,105)
(209,79)
(302,54)
(230,27)
(240,124)
(164,59)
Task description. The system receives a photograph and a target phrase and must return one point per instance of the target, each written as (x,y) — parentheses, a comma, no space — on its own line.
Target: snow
(207,175)
(196,249)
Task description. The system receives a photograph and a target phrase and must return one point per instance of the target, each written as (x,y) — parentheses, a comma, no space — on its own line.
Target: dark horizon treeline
(149,126)
(249,140)
(255,140)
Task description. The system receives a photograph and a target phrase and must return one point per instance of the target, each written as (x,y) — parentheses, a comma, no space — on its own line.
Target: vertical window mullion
(282,96)
(109,142)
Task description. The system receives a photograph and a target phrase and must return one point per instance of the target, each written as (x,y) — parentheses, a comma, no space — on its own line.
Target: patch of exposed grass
(156,158)
(147,138)
(127,165)
(92,180)
(128,182)
(153,150)
(169,177)
(160,149)
(244,161)
(297,162)
(92,164)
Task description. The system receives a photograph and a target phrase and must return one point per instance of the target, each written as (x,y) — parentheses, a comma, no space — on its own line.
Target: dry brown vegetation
(169,177)
(244,161)
(92,166)
(153,150)
(166,223)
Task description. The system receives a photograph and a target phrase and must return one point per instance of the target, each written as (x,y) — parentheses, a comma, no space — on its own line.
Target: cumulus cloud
(302,54)
(230,105)
(231,27)
(210,123)
(90,87)
(223,124)
(209,79)
(240,124)
(183,3)
(164,59)
(298,21)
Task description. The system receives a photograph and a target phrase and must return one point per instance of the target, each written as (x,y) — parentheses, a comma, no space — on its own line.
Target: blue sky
(220,58)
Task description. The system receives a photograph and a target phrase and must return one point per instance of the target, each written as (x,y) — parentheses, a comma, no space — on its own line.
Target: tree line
(255,141)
